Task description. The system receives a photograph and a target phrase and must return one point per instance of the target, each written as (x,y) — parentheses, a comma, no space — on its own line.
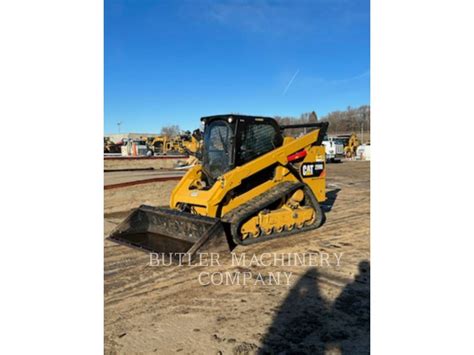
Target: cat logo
(312,169)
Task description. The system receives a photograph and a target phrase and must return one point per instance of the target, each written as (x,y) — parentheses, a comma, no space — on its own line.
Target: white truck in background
(134,148)
(334,149)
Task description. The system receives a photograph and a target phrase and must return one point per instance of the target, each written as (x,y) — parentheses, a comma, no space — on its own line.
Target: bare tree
(347,121)
(170,131)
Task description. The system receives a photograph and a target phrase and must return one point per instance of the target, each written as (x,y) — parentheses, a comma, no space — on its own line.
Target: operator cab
(233,140)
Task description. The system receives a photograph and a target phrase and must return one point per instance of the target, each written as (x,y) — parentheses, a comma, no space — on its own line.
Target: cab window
(256,139)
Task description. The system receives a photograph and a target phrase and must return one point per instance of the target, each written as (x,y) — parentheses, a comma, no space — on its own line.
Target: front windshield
(217,148)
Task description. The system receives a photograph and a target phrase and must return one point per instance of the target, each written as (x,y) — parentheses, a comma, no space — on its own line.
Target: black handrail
(321,125)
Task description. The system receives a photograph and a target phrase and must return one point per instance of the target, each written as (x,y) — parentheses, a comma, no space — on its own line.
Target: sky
(172,62)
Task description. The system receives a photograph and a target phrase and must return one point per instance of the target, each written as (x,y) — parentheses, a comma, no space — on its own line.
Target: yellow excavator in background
(190,143)
(351,142)
(253,184)
(160,145)
(186,143)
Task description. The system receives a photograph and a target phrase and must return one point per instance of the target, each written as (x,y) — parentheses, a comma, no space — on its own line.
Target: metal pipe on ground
(139,182)
(127,169)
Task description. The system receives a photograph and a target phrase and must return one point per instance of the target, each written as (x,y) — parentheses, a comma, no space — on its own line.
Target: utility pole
(119,124)
(362,132)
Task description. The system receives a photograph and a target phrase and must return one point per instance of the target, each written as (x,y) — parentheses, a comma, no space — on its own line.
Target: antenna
(119,124)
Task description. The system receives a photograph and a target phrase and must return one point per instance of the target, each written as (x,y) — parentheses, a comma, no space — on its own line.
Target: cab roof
(207,119)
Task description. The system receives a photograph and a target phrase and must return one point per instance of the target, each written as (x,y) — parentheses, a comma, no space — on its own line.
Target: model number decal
(312,169)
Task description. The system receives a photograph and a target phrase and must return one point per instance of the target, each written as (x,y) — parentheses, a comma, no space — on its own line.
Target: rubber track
(238,215)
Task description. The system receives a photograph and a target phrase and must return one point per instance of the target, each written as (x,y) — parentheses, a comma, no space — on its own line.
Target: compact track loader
(252,185)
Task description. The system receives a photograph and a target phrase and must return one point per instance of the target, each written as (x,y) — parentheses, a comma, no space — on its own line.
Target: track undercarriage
(288,208)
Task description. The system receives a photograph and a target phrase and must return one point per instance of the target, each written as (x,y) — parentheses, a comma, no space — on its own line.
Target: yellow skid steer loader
(253,184)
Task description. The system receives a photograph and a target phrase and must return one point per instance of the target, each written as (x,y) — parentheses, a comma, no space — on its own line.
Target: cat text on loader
(252,185)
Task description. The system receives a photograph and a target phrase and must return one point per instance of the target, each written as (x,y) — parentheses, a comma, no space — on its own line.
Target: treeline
(340,122)
(347,121)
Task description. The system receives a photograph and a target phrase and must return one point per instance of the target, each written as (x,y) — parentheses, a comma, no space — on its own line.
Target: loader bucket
(163,230)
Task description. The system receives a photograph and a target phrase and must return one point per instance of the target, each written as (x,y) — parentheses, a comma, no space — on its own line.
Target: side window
(256,139)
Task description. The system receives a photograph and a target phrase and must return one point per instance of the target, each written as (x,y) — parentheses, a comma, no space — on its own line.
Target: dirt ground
(324,308)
